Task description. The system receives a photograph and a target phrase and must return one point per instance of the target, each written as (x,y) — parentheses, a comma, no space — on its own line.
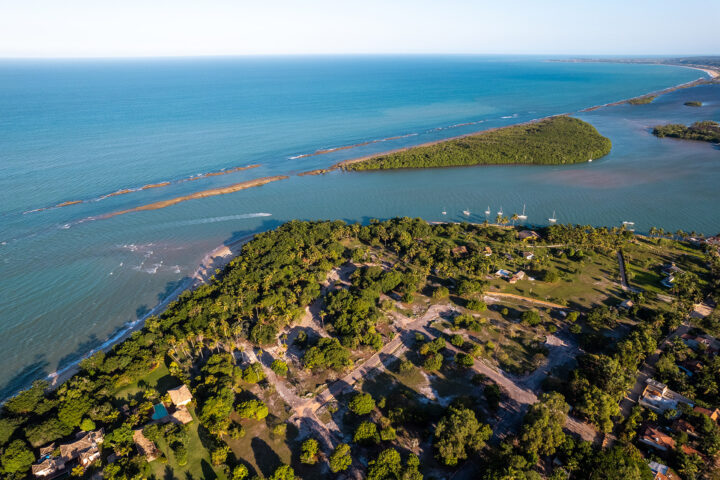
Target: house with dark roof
(528,235)
(681,425)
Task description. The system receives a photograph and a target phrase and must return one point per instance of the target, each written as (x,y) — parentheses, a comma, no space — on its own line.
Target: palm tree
(514,218)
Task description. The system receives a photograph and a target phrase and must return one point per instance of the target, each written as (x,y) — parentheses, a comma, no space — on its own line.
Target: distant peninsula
(706,131)
(556,140)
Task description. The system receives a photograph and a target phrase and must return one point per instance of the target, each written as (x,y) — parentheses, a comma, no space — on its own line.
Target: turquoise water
(78,130)
(159,411)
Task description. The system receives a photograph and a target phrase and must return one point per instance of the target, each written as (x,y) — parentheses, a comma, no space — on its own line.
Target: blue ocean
(73,132)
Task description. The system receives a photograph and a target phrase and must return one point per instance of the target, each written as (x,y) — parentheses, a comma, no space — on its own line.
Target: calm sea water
(77,130)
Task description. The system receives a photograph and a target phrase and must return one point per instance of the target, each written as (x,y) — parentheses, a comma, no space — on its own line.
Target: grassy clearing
(259,448)
(595,280)
(199,465)
(159,379)
(646,257)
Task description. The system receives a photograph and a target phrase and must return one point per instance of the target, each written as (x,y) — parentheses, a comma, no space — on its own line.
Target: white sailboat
(500,212)
(523,216)
(552,219)
(444,212)
(487,212)
(466,212)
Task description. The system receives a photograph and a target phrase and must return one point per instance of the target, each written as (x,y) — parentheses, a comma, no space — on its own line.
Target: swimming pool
(160,411)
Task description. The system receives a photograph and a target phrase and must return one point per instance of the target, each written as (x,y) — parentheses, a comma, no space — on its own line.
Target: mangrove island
(706,131)
(552,141)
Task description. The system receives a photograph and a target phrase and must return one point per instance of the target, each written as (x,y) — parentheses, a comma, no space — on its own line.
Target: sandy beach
(216,259)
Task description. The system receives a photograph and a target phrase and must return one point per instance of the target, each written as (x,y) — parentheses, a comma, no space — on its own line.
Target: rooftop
(180,395)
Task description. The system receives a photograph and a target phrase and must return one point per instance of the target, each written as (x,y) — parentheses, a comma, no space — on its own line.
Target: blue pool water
(78,130)
(159,411)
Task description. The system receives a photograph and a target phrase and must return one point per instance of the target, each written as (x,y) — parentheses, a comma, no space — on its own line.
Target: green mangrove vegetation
(642,100)
(706,131)
(552,141)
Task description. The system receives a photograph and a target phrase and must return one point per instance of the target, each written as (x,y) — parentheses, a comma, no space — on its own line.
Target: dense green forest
(706,131)
(374,350)
(553,141)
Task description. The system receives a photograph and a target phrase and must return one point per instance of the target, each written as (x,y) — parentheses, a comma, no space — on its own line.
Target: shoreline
(216,258)
(343,163)
(222,255)
(693,83)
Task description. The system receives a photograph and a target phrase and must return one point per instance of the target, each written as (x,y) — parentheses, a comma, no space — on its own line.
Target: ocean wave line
(347,147)
(125,191)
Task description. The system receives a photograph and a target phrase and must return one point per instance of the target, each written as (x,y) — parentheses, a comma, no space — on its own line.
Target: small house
(660,471)
(655,438)
(627,304)
(671,269)
(528,255)
(180,396)
(681,425)
(659,398)
(181,416)
(713,414)
(690,367)
(528,235)
(86,449)
(695,341)
(460,251)
(145,446)
(518,276)
(49,467)
(713,240)
(502,273)
(488,252)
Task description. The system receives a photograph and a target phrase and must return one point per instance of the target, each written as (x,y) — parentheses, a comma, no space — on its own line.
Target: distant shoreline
(342,164)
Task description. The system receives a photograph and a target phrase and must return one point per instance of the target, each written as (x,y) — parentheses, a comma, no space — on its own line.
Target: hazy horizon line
(353,54)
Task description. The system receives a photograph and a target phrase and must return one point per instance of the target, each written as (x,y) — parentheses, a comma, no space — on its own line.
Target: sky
(133,28)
